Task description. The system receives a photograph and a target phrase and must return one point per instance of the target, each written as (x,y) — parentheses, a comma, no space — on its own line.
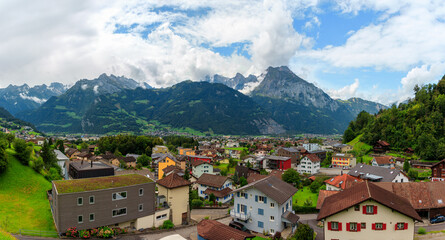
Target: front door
(184,218)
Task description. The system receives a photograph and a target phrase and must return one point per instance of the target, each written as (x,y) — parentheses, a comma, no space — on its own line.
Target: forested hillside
(419,124)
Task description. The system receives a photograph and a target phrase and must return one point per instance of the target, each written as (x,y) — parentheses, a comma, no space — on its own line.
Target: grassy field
(6,236)
(237,148)
(300,197)
(359,146)
(23,202)
(223,166)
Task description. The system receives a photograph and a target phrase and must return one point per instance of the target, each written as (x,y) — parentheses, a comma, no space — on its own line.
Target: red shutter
(347,227)
(373,226)
(406,226)
(359,227)
(329,226)
(384,226)
(395,228)
(364,209)
(339,226)
(375,209)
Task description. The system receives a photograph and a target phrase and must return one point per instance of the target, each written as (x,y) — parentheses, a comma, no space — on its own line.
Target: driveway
(311,220)
(431,227)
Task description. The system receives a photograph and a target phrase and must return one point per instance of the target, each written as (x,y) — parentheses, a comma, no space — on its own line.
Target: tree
(212,198)
(48,155)
(242,181)
(308,202)
(144,160)
(84,146)
(10,138)
(406,166)
(3,160)
(23,151)
(304,232)
(413,174)
(60,145)
(186,175)
(315,186)
(291,176)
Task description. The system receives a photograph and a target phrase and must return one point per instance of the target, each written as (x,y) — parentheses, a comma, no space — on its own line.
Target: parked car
(437,219)
(238,226)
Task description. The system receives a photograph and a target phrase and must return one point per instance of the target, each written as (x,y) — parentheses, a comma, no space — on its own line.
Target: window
(260,224)
(379,226)
(363,225)
(91,217)
(161,216)
(91,199)
(357,207)
(243,195)
(119,212)
(272,231)
(80,201)
(272,218)
(141,191)
(119,196)
(141,207)
(260,211)
(272,205)
(80,219)
(401,226)
(334,226)
(260,198)
(353,227)
(370,209)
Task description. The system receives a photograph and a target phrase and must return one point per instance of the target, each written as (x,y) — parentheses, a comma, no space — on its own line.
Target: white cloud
(345,92)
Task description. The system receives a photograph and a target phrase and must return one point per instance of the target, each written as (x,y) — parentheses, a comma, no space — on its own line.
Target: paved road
(431,227)
(310,219)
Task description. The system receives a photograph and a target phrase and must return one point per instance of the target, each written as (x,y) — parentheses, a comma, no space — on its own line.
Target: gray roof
(278,158)
(162,156)
(273,187)
(136,156)
(84,165)
(291,149)
(60,156)
(374,172)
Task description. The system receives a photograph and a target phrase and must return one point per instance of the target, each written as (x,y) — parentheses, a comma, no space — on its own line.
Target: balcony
(239,215)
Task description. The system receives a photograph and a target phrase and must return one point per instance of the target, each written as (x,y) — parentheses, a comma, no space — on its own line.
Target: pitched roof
(273,187)
(322,195)
(162,156)
(255,177)
(290,216)
(367,171)
(170,168)
(218,193)
(421,195)
(435,164)
(278,158)
(214,230)
(127,159)
(294,150)
(363,192)
(343,181)
(173,181)
(212,180)
(198,162)
(384,160)
(383,143)
(314,158)
(91,184)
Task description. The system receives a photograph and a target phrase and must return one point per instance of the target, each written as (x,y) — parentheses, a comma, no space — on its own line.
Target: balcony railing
(240,215)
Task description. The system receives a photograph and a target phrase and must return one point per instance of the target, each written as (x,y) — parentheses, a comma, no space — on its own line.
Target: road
(311,220)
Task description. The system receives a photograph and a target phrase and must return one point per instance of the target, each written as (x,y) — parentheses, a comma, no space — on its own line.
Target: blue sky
(376,50)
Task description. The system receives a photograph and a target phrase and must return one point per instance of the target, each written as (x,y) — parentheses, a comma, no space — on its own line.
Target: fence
(38,233)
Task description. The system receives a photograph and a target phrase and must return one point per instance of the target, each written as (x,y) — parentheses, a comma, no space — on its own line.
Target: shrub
(72,232)
(206,217)
(421,231)
(303,232)
(220,204)
(105,232)
(167,224)
(93,232)
(196,203)
(300,209)
(84,234)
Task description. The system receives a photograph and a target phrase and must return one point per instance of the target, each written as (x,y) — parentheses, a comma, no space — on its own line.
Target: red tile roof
(214,230)
(212,180)
(220,194)
(345,180)
(314,158)
(173,181)
(384,160)
(322,195)
(362,192)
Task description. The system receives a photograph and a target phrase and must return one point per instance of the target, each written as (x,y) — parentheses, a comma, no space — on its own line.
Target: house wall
(178,201)
(227,184)
(400,178)
(203,168)
(384,215)
(154,220)
(329,187)
(343,161)
(252,208)
(67,210)
(163,164)
(438,171)
(307,166)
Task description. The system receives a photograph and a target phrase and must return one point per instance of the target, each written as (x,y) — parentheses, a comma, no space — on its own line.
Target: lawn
(6,236)
(223,166)
(367,159)
(23,202)
(300,197)
(237,148)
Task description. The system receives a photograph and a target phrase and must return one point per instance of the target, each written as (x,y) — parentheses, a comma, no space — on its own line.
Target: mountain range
(276,102)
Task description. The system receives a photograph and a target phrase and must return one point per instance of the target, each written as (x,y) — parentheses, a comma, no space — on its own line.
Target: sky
(376,50)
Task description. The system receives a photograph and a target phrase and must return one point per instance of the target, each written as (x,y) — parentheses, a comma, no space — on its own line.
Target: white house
(378,174)
(310,164)
(311,146)
(383,161)
(220,186)
(62,161)
(200,167)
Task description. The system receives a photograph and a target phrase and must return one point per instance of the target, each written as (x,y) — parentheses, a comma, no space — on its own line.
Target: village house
(341,182)
(176,191)
(186,151)
(173,169)
(85,169)
(293,153)
(62,161)
(438,171)
(159,149)
(243,171)
(319,153)
(200,167)
(343,160)
(383,161)
(161,161)
(381,147)
(128,161)
(311,146)
(366,211)
(265,206)
(378,174)
(214,230)
(310,164)
(126,201)
(342,148)
(220,186)
(277,162)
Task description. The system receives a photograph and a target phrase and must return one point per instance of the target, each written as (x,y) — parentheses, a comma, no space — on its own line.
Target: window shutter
(359,227)
(373,226)
(339,226)
(375,209)
(348,227)
(395,228)
(329,226)
(384,226)
(406,226)
(256,198)
(265,199)
(237,194)
(246,195)
(364,209)
(238,207)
